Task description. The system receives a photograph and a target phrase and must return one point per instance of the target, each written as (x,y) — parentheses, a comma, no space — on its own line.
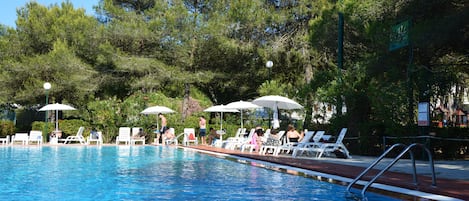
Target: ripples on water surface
(146,173)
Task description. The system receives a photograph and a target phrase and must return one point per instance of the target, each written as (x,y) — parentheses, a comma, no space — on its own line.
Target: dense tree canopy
(220,48)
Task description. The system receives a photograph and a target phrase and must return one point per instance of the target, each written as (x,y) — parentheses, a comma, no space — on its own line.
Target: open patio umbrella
(277,102)
(56,107)
(242,105)
(157,110)
(221,109)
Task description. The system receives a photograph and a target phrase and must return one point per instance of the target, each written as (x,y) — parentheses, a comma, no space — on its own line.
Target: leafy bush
(105,115)
(40,126)
(6,128)
(108,115)
(68,127)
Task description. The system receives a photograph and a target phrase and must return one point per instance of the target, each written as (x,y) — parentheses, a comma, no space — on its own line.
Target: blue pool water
(147,173)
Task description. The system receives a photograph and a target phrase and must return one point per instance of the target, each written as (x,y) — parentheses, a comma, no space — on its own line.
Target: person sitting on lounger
(273,139)
(139,134)
(168,135)
(293,135)
(94,133)
(257,138)
(213,135)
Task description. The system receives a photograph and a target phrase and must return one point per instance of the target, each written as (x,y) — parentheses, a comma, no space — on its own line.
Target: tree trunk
(187,87)
(308,69)
(185,102)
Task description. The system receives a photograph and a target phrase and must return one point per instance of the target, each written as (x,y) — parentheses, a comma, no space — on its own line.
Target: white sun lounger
(35,136)
(124,136)
(20,137)
(76,138)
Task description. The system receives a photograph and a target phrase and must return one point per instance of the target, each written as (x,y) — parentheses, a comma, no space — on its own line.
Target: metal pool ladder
(407,149)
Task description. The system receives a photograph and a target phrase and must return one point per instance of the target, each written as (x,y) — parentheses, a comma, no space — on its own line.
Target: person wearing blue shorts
(202,129)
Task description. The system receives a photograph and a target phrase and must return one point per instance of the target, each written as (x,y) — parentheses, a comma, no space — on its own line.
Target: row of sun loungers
(129,136)
(311,144)
(318,149)
(23,138)
(35,137)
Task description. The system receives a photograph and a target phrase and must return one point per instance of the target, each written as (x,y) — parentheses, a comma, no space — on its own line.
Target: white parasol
(157,110)
(277,102)
(242,105)
(56,107)
(221,109)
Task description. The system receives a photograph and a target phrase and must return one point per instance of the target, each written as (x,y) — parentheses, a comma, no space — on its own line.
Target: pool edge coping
(376,185)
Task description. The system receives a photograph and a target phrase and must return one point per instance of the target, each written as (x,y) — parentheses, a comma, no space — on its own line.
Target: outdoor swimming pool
(147,173)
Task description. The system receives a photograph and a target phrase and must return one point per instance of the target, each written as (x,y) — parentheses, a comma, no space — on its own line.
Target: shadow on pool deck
(449,183)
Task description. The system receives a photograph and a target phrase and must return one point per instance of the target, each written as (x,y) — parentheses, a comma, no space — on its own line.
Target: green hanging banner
(399,35)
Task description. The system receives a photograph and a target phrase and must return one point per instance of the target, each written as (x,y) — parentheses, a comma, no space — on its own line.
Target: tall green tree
(220,47)
(51,44)
(69,76)
(38,27)
(368,60)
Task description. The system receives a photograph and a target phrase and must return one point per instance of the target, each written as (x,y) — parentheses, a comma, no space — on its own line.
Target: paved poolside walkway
(452,177)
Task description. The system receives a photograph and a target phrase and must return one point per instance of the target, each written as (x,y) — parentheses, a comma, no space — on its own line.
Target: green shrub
(110,114)
(6,128)
(68,127)
(40,126)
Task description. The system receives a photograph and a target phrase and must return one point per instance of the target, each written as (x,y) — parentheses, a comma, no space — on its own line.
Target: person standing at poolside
(202,129)
(163,129)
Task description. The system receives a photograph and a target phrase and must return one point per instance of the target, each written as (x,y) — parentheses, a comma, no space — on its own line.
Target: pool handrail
(397,158)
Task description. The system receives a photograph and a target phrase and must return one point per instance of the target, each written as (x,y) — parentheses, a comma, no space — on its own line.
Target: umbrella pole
(56,120)
(157,131)
(276,121)
(221,129)
(157,125)
(241,119)
(221,121)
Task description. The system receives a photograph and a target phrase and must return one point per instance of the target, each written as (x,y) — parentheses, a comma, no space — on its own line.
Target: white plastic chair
(5,140)
(99,140)
(135,138)
(175,139)
(124,136)
(189,136)
(35,136)
(20,137)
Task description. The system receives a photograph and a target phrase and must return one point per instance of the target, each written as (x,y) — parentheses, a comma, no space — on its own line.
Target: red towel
(191,136)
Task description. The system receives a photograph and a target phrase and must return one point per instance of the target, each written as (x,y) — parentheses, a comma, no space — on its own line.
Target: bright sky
(8,8)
